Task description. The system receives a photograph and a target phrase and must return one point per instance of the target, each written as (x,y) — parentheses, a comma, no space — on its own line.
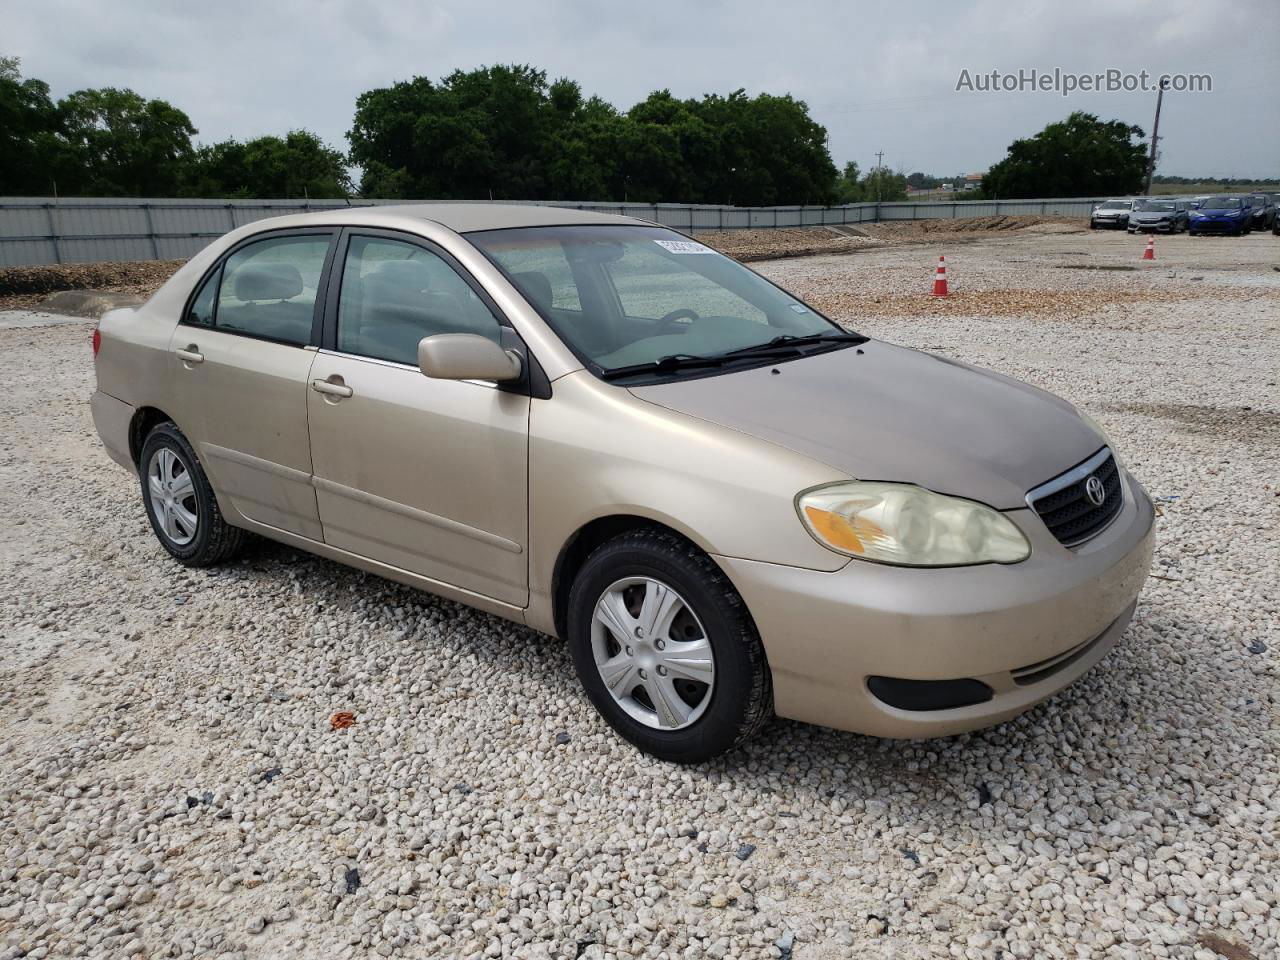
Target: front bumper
(1026,630)
(1101,222)
(1165,227)
(1217,226)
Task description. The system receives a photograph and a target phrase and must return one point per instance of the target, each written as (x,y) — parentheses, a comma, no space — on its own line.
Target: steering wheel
(683,313)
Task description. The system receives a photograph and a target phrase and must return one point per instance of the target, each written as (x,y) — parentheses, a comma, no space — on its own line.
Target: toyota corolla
(729,506)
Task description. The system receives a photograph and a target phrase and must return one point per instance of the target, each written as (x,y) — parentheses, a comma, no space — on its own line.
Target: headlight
(907,525)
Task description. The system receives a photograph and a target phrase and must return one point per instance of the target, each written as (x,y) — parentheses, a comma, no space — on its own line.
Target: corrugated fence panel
(36,230)
(191,221)
(96,249)
(27,253)
(24,222)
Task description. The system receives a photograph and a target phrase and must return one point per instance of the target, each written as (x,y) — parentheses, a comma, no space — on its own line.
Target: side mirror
(466,356)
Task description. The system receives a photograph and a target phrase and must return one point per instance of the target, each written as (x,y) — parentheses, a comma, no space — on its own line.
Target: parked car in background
(1223,214)
(726,504)
(1264,211)
(1158,216)
(1110,213)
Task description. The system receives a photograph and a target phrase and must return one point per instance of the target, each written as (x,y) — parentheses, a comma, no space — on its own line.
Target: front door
(240,360)
(430,476)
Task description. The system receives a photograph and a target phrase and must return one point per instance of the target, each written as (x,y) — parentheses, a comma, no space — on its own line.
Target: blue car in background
(1223,214)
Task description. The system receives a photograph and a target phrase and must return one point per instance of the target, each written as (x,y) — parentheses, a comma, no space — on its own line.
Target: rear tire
(732,699)
(180,502)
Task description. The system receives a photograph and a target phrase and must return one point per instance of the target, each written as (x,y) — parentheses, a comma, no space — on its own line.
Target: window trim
(322,288)
(533,380)
(329,332)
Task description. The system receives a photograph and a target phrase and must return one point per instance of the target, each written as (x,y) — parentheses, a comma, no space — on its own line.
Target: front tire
(180,503)
(665,648)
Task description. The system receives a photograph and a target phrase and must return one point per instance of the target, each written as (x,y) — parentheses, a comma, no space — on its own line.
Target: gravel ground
(173,786)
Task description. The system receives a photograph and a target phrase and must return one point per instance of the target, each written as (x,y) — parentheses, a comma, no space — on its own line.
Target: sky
(880,76)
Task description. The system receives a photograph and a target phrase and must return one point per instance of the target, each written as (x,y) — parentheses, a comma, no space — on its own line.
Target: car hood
(1219,212)
(888,413)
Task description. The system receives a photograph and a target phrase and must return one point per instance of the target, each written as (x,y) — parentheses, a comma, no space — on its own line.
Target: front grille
(1064,505)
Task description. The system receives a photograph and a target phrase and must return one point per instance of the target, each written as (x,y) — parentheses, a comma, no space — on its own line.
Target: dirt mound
(906,229)
(772,244)
(1076,304)
(27,286)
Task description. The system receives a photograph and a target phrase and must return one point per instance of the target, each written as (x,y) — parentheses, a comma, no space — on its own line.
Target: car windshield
(1221,203)
(622,296)
(1114,205)
(1156,206)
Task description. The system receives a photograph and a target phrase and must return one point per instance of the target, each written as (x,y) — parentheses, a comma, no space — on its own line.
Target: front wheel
(665,648)
(180,503)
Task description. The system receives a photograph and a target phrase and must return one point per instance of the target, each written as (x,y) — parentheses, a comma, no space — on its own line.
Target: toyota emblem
(1095,491)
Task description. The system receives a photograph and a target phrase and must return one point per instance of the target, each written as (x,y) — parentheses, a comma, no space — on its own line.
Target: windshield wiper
(788,340)
(668,364)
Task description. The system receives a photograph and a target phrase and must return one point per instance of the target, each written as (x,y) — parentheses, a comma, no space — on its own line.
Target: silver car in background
(1110,213)
(1158,216)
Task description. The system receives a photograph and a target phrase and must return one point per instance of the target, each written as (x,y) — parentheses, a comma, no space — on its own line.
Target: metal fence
(40,230)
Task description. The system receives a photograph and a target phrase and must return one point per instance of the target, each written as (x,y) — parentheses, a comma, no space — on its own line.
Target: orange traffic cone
(1150,252)
(940,278)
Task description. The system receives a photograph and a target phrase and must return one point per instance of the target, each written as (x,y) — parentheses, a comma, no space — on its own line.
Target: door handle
(190,354)
(331,389)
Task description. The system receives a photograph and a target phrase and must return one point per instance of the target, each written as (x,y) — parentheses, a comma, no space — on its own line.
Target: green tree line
(507,133)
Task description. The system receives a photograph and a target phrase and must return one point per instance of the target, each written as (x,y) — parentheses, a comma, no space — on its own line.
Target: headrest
(412,274)
(274,281)
(397,283)
(536,287)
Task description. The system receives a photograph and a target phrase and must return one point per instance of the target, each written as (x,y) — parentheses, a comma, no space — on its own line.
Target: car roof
(465,217)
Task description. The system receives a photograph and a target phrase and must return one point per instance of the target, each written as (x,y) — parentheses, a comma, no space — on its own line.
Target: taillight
(97,341)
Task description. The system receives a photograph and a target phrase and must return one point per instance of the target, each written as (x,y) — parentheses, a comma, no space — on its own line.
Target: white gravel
(171,786)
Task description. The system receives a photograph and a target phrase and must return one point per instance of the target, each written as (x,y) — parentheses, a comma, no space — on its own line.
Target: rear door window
(269,288)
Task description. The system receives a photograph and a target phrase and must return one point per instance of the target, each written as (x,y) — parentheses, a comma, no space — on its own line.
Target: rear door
(241,356)
(430,476)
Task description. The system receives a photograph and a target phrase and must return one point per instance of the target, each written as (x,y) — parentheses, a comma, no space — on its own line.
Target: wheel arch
(145,419)
(580,545)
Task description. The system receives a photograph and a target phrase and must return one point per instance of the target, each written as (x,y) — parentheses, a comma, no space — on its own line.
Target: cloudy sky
(878,75)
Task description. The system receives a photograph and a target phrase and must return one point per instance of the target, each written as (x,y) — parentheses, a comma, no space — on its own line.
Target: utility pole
(879,177)
(1155,136)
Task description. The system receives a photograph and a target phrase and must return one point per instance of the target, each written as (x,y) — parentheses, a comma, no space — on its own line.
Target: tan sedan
(726,504)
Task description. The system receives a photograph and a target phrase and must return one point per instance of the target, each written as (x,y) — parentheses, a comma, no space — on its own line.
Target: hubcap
(652,653)
(172,496)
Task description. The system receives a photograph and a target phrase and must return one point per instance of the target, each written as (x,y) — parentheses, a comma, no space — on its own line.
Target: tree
(28,125)
(471,136)
(505,132)
(922,181)
(848,187)
(882,185)
(117,143)
(1080,156)
(297,165)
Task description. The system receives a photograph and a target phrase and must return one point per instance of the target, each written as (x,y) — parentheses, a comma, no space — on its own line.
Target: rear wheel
(665,648)
(180,503)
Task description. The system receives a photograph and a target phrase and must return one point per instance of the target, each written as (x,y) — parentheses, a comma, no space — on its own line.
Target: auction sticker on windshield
(683,246)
